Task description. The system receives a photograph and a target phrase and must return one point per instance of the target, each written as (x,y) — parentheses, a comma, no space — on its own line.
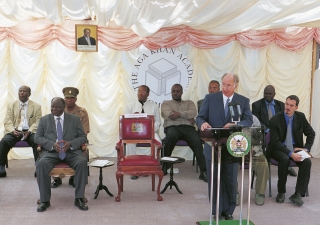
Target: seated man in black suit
(286,142)
(214,86)
(179,123)
(86,39)
(266,108)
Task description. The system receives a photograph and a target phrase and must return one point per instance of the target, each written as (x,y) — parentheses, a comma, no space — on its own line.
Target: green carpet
(225,222)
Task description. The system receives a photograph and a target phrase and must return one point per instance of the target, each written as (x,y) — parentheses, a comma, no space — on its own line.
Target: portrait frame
(82,43)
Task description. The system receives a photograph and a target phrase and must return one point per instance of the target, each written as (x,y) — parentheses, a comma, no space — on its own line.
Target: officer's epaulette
(83,109)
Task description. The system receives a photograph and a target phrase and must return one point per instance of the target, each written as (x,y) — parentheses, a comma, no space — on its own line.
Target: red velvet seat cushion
(62,165)
(138,160)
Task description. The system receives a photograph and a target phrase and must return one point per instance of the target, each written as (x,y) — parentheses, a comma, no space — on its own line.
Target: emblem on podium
(238,144)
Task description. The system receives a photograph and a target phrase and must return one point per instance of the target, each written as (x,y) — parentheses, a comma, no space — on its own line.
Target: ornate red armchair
(135,131)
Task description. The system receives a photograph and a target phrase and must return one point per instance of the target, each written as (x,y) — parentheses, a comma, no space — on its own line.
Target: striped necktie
(226,108)
(62,155)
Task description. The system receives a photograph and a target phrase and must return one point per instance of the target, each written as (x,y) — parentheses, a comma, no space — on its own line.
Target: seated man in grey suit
(60,136)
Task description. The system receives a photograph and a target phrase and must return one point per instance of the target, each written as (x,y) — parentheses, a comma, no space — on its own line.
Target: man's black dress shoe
(227,217)
(203,176)
(80,204)
(71,181)
(3,174)
(291,172)
(280,198)
(134,177)
(35,173)
(296,199)
(43,206)
(56,182)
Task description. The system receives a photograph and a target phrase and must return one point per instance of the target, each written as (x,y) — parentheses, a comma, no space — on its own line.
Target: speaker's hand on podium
(205,126)
(229,125)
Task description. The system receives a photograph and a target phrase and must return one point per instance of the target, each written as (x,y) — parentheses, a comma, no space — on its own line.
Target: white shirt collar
(225,99)
(61,117)
(25,103)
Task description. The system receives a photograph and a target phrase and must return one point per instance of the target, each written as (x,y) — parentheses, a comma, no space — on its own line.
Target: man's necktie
(88,40)
(289,135)
(62,155)
(226,108)
(269,111)
(142,103)
(20,118)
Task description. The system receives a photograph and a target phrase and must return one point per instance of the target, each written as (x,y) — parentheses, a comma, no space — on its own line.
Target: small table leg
(171,182)
(101,186)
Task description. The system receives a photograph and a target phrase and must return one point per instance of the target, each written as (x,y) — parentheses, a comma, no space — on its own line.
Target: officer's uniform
(78,111)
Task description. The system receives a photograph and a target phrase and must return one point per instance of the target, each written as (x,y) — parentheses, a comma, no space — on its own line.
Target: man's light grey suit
(46,136)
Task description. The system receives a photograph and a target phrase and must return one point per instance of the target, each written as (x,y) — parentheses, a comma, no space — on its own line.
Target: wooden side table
(171,182)
(101,186)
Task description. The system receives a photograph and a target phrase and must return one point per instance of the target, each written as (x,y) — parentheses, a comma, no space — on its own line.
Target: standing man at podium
(214,112)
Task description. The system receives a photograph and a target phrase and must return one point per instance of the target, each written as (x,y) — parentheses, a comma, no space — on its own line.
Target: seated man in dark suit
(286,142)
(179,119)
(214,86)
(266,108)
(86,39)
(61,136)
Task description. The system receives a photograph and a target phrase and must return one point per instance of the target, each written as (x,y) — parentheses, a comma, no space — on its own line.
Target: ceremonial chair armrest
(158,146)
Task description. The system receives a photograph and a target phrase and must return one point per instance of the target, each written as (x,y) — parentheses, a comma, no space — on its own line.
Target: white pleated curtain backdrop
(104,81)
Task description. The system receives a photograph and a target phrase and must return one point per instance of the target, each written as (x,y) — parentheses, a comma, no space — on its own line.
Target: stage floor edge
(225,222)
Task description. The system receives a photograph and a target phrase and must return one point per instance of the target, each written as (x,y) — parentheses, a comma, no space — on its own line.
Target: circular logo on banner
(160,69)
(238,144)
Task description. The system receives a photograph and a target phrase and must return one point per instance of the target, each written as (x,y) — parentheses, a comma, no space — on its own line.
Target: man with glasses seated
(148,107)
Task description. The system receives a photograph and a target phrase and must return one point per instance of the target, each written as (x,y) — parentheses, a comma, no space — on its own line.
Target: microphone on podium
(237,104)
(230,106)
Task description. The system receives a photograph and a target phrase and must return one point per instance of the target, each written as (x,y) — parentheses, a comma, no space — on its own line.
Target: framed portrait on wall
(86,38)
